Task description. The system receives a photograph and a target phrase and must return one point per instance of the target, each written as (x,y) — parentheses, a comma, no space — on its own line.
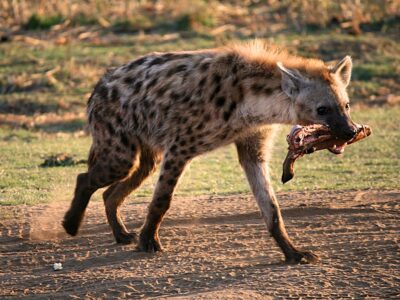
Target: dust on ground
(216,248)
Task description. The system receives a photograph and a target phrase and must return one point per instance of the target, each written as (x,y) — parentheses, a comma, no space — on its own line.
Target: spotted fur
(175,106)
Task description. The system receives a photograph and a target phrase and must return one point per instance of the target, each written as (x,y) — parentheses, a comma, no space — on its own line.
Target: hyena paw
(149,243)
(71,224)
(126,238)
(302,257)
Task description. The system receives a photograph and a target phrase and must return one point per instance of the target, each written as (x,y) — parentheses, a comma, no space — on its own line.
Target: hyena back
(175,106)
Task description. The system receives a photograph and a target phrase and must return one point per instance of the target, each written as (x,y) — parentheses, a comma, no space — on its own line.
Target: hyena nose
(350,133)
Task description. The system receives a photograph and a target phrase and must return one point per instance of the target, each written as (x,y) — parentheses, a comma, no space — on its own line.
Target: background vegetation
(52,53)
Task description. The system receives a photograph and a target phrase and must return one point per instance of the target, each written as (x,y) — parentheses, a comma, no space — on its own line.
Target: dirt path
(217,248)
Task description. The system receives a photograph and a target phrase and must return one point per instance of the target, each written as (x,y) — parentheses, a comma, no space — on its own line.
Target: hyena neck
(265,103)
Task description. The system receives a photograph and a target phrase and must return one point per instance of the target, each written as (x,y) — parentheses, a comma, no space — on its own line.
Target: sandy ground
(216,248)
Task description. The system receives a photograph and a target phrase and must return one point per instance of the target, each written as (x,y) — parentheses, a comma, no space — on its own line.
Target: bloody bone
(308,139)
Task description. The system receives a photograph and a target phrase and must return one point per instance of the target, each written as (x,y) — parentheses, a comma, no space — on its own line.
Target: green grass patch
(39,22)
(371,163)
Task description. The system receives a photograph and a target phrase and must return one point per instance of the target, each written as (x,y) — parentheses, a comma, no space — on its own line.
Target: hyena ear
(292,81)
(343,70)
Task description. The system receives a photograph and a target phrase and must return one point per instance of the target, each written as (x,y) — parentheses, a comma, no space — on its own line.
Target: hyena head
(322,99)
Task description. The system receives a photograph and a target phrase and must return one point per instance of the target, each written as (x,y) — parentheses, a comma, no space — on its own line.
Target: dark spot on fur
(176,69)
(186,99)
(256,88)
(110,128)
(214,93)
(167,165)
(101,90)
(234,69)
(165,109)
(199,92)
(128,163)
(133,147)
(189,130)
(240,93)
(207,118)
(229,58)
(165,197)
(129,80)
(200,126)
(232,107)
(171,181)
(216,78)
(220,101)
(161,205)
(152,114)
(136,63)
(204,66)
(202,82)
(182,143)
(162,90)
(174,96)
(192,139)
(115,94)
(137,87)
(152,83)
(157,61)
(146,103)
(268,90)
(192,149)
(183,152)
(227,115)
(223,136)
(119,120)
(261,73)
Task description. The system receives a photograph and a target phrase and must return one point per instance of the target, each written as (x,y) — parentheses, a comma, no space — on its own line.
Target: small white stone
(57,266)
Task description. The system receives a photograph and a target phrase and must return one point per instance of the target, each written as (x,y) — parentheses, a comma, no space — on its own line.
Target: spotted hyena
(171,107)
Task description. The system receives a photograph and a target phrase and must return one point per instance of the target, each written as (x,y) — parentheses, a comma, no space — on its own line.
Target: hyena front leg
(171,170)
(253,157)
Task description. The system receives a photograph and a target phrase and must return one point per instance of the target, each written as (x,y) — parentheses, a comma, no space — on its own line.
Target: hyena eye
(347,106)
(322,110)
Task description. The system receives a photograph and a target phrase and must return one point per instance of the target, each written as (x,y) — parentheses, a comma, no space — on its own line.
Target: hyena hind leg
(74,216)
(104,169)
(115,195)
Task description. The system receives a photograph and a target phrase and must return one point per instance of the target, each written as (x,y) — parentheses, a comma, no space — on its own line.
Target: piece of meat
(308,139)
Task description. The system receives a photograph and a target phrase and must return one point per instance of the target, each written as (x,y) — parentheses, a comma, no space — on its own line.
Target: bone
(308,139)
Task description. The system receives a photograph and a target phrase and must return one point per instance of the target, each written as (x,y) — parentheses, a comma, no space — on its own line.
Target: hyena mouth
(308,139)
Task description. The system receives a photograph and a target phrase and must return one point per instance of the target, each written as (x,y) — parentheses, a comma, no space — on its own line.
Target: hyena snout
(345,130)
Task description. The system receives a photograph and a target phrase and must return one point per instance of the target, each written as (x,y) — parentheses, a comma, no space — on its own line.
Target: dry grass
(256,16)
